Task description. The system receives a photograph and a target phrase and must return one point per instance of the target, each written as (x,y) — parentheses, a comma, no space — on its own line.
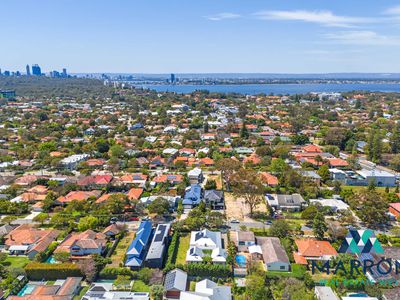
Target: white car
(235,221)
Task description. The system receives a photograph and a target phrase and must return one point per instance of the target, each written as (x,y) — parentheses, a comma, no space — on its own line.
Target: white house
(208,290)
(206,243)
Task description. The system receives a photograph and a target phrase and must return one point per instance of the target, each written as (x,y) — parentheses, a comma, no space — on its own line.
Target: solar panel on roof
(160,233)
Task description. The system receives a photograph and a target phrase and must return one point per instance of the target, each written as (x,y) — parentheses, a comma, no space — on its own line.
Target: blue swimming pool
(241,260)
(357,295)
(27,289)
(51,260)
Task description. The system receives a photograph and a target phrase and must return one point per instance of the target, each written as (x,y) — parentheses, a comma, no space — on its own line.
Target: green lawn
(140,286)
(118,256)
(13,262)
(298,271)
(183,247)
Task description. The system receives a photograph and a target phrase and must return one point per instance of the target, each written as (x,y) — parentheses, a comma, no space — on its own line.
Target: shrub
(40,271)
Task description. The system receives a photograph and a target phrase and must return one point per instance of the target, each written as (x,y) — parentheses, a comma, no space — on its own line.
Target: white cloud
(223,16)
(322,17)
(363,37)
(395,10)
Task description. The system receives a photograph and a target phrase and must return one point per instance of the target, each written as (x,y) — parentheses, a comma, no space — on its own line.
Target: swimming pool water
(241,260)
(27,289)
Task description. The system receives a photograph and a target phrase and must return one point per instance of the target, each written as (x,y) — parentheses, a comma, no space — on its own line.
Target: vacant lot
(217,178)
(118,256)
(183,247)
(237,209)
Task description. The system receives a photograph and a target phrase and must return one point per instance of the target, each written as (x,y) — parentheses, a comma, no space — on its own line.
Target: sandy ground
(237,209)
(216,177)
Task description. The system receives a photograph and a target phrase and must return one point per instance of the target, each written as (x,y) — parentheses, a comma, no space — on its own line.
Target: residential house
(214,199)
(310,249)
(274,255)
(208,290)
(78,196)
(104,291)
(175,282)
(158,247)
(83,243)
(71,162)
(394,209)
(62,289)
(195,176)
(113,230)
(243,240)
(325,293)
(136,179)
(172,179)
(206,243)
(294,202)
(136,252)
(135,193)
(28,240)
(193,196)
(335,204)
(268,179)
(95,182)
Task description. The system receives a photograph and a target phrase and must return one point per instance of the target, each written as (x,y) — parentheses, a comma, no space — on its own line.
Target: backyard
(118,256)
(183,246)
(14,262)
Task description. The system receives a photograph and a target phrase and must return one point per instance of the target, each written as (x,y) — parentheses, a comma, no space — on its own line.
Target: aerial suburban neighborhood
(127,193)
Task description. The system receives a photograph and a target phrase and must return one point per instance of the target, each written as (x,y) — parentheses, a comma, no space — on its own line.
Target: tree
(157,292)
(88,222)
(395,162)
(117,151)
(323,171)
(370,206)
(278,166)
(41,218)
(256,288)
(309,213)
(300,139)
(319,226)
(395,139)
(88,268)
(159,206)
(244,134)
(62,257)
(279,228)
(210,185)
(227,166)
(247,184)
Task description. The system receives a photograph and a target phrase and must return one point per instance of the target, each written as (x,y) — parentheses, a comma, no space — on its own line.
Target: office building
(28,70)
(64,72)
(173,78)
(36,70)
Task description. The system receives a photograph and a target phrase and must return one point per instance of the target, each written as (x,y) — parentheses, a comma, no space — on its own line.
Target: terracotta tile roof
(314,248)
(87,240)
(38,189)
(269,179)
(337,162)
(396,206)
(135,193)
(27,235)
(311,148)
(130,178)
(168,178)
(97,180)
(78,195)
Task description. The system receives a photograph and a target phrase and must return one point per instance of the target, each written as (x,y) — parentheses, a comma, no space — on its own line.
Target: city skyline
(224,37)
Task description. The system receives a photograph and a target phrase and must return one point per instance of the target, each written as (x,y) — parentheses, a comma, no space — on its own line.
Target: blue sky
(201,36)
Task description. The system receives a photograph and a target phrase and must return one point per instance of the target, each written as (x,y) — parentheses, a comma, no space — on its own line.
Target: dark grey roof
(290,200)
(272,250)
(213,195)
(158,243)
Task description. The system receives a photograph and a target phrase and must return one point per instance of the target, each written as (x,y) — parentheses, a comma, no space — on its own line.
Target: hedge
(172,250)
(43,271)
(203,270)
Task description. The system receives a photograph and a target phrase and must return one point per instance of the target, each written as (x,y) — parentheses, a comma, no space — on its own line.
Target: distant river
(253,89)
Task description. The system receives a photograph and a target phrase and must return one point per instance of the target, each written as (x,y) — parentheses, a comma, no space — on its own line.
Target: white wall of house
(278,266)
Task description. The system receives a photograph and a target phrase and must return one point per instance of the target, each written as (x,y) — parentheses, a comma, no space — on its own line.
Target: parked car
(234,221)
